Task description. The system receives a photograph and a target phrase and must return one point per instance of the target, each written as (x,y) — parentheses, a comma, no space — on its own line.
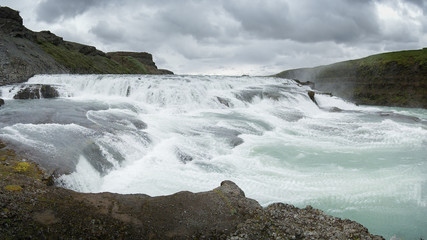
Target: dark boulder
(182,156)
(48,91)
(307,83)
(1,102)
(27,93)
(224,101)
(311,96)
(36,92)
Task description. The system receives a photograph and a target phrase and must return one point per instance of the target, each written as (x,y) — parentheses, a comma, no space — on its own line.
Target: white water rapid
(163,134)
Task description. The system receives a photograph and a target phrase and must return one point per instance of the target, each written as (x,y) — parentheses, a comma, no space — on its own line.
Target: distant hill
(24,53)
(387,79)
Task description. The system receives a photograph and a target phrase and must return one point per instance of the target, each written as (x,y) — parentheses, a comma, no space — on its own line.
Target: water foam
(162,134)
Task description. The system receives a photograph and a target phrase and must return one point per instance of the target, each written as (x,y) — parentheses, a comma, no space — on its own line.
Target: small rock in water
(27,93)
(1,102)
(48,91)
(183,157)
(224,101)
(36,92)
(311,95)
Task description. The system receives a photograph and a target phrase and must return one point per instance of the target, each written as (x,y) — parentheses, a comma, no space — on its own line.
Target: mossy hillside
(378,64)
(390,79)
(77,62)
(132,64)
(381,65)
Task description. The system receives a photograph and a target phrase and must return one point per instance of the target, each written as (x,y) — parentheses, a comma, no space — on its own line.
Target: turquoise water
(162,134)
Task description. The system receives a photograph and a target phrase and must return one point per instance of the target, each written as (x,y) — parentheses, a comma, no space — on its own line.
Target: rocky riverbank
(24,53)
(32,207)
(388,79)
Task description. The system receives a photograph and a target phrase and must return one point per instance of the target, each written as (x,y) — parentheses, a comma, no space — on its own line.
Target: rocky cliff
(24,53)
(388,79)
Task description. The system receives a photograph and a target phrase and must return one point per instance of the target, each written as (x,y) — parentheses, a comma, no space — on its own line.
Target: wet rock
(1,102)
(311,96)
(182,156)
(307,83)
(48,91)
(27,93)
(224,101)
(36,92)
(335,109)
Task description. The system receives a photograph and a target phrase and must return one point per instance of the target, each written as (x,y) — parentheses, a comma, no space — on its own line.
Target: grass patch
(22,167)
(12,164)
(77,62)
(13,188)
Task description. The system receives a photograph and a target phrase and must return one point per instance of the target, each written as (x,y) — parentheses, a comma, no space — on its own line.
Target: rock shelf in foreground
(31,207)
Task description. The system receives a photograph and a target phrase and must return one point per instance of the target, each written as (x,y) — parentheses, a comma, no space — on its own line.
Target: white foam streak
(85,178)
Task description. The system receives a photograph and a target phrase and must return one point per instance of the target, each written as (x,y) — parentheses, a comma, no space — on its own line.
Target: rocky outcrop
(31,208)
(20,55)
(284,221)
(388,79)
(11,21)
(24,53)
(134,59)
(311,96)
(36,91)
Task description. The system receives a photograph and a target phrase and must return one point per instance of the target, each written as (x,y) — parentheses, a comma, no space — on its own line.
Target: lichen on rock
(13,188)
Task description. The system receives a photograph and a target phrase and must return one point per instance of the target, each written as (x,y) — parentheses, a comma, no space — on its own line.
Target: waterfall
(162,134)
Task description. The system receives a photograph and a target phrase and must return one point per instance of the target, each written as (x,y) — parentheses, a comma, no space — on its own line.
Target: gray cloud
(265,19)
(55,10)
(223,36)
(306,21)
(107,32)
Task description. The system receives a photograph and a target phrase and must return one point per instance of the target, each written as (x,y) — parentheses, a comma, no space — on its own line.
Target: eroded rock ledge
(31,207)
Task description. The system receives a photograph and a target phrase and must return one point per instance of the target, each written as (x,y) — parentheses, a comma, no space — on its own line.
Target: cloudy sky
(234,37)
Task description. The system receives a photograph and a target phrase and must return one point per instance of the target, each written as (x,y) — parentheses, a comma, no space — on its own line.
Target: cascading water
(162,134)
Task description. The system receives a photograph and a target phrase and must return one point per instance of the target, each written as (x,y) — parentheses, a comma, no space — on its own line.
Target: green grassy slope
(389,79)
(78,62)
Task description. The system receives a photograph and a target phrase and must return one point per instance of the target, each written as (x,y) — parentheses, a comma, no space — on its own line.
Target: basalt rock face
(388,79)
(11,21)
(24,53)
(20,56)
